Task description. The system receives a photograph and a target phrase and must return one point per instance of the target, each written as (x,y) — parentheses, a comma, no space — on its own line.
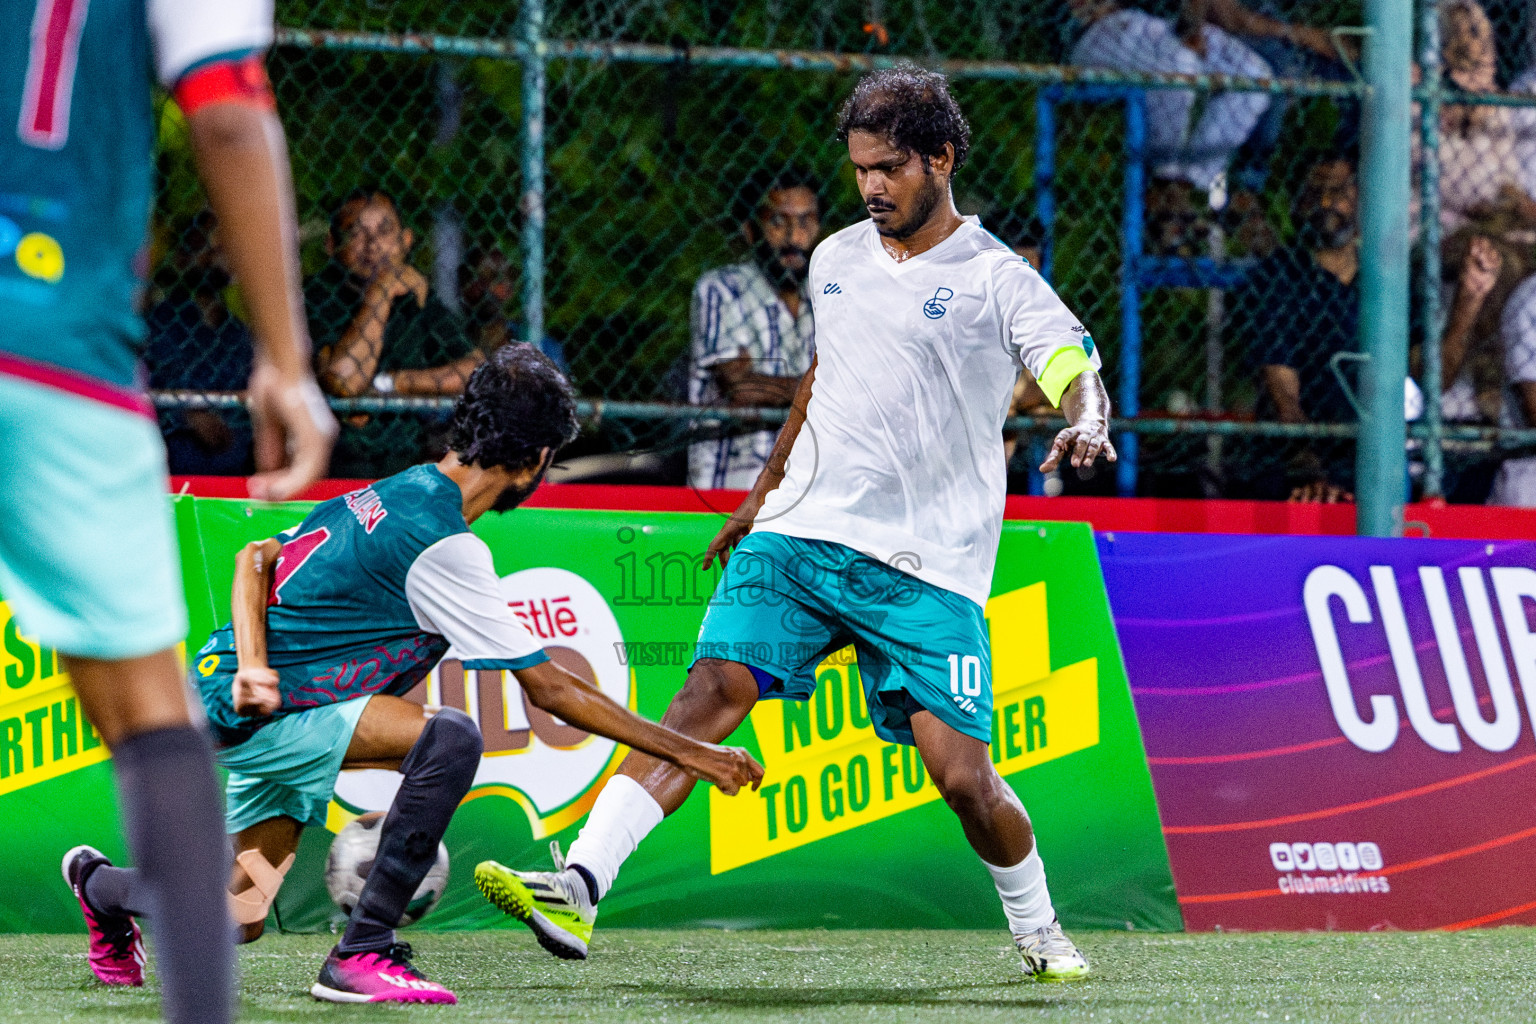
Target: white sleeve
(453,591)
(187,32)
(1036,323)
(1517,328)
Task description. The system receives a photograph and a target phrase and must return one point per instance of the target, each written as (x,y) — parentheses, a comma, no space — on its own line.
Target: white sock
(1025,898)
(623,815)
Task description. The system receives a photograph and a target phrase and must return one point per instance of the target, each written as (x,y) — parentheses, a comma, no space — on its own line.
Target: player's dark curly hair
(515,403)
(911,108)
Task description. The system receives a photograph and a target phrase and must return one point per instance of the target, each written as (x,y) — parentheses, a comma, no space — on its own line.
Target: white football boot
(1048,955)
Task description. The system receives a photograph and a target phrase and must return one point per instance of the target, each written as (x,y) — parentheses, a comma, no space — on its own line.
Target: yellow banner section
(42,732)
(827,771)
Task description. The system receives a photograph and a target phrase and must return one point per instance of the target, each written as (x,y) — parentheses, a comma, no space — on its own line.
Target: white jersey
(901,455)
(188,32)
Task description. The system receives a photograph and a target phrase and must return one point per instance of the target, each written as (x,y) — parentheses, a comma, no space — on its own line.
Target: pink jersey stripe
(76,384)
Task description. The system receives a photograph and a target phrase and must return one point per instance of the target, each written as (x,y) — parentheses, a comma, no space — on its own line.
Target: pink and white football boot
(376,977)
(116,946)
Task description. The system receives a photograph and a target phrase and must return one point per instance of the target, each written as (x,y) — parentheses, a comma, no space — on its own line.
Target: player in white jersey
(877,520)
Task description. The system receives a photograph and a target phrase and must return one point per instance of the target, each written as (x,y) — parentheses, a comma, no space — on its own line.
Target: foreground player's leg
(560,906)
(174,822)
(368,965)
(999,831)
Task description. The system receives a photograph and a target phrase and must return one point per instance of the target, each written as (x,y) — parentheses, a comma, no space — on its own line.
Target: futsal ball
(351,859)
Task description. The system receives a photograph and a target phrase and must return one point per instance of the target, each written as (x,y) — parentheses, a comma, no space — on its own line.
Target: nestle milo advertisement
(847,822)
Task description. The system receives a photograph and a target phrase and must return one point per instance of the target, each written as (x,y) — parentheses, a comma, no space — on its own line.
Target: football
(351,858)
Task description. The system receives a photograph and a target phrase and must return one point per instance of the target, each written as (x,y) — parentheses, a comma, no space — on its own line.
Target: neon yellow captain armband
(1061,370)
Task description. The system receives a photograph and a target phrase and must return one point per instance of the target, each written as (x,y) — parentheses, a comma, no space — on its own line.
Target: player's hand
(729,768)
(392,283)
(294,431)
(736,527)
(1082,444)
(255,692)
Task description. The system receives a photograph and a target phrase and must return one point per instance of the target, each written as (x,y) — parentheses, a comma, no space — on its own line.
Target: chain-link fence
(619,181)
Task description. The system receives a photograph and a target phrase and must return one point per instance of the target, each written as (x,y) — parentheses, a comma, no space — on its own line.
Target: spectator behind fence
(1292,51)
(485,292)
(378,330)
(1475,350)
(1480,274)
(1487,153)
(1296,311)
(751,324)
(195,343)
(1516,480)
(1124,38)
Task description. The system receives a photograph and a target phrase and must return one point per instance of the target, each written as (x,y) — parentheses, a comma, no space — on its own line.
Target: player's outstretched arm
(569,697)
(1086,405)
(255,693)
(740,521)
(242,157)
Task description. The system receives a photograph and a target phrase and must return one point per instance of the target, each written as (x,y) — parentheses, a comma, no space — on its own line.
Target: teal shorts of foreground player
(784,603)
(88,557)
(289,768)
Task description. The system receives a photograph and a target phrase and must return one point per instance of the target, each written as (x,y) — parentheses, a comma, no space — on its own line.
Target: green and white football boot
(554,904)
(1050,956)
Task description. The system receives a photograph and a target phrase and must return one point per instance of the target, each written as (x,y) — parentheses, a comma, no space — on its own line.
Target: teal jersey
(76,167)
(369,593)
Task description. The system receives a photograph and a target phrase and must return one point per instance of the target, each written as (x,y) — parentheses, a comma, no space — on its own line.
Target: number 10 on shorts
(965,675)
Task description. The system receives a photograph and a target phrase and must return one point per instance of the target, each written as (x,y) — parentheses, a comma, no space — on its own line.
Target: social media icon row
(1325,856)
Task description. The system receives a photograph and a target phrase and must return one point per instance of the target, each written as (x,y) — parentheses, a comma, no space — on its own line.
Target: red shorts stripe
(76,384)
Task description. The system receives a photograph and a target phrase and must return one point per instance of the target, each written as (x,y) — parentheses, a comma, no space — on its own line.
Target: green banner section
(847,830)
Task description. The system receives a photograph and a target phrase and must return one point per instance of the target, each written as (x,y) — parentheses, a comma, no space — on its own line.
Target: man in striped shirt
(752,329)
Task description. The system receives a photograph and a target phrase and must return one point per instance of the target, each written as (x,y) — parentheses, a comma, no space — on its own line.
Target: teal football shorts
(785,603)
(289,768)
(88,557)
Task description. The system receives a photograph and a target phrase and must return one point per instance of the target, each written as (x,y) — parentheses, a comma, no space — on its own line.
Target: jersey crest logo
(832,289)
(934,308)
(367,507)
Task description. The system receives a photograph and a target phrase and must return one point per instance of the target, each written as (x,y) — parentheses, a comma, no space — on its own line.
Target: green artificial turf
(663,977)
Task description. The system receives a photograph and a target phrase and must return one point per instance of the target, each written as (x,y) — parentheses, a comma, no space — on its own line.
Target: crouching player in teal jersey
(335,619)
(88,557)
(877,524)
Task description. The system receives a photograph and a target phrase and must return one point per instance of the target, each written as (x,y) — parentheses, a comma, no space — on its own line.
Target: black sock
(174,820)
(587,876)
(116,891)
(438,773)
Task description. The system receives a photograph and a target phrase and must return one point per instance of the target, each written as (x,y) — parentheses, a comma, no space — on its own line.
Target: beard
(771,259)
(924,203)
(1327,229)
(516,494)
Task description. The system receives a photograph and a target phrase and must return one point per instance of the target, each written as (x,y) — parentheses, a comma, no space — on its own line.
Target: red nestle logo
(546,622)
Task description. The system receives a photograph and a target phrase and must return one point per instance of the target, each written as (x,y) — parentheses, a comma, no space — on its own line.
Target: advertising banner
(1339,729)
(56,787)
(847,830)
